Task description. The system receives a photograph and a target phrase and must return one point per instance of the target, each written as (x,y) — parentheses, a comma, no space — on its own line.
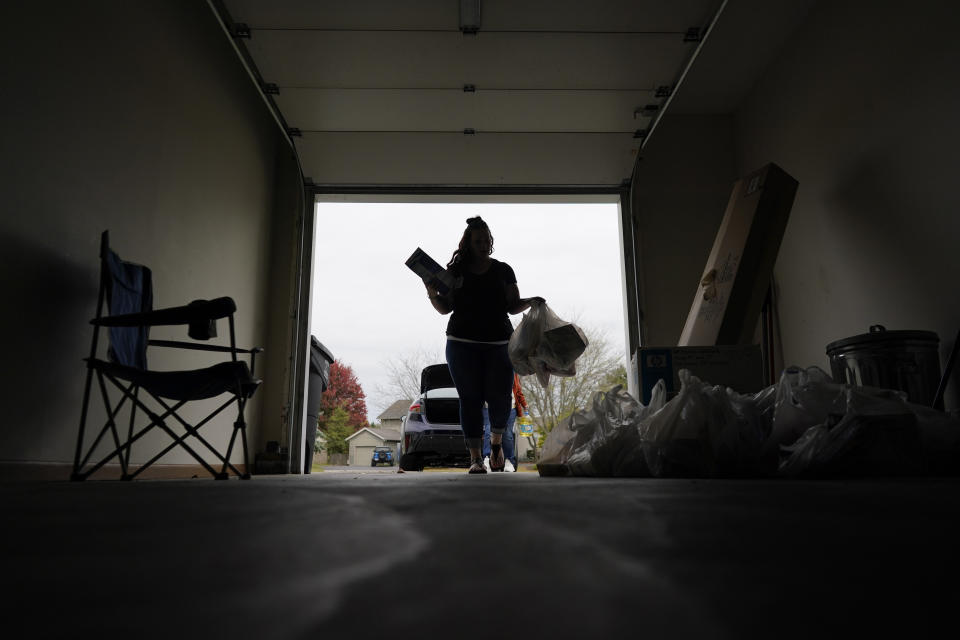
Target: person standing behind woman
(509,437)
(477,337)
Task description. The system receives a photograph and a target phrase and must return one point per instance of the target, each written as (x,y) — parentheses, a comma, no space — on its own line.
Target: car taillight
(415,408)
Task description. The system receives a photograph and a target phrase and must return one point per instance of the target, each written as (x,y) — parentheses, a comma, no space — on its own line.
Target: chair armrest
(196,311)
(201,347)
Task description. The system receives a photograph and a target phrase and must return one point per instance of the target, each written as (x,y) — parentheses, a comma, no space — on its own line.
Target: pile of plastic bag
(545,345)
(806,425)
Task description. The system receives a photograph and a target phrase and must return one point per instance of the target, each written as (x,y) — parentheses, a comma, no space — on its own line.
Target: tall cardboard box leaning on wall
(726,306)
(717,342)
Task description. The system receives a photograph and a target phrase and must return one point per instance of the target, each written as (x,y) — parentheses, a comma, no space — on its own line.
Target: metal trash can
(904,360)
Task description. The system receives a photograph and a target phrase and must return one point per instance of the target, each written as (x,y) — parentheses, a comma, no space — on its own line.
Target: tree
(616,377)
(403,373)
(344,392)
(338,429)
(598,368)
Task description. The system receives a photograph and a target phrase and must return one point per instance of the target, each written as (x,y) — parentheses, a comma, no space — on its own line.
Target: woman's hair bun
(473,222)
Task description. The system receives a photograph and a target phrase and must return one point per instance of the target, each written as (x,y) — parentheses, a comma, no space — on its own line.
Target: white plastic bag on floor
(602,439)
(806,425)
(803,398)
(874,433)
(706,431)
(607,433)
(545,345)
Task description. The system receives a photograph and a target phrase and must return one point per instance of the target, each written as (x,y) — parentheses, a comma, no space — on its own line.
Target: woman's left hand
(525,303)
(431,286)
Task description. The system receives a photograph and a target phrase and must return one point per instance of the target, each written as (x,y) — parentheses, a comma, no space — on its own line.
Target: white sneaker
(486,463)
(508,467)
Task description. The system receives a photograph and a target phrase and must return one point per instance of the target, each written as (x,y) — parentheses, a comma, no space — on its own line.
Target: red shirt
(518,394)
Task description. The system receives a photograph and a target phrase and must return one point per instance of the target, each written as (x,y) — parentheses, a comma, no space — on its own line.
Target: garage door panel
(362,456)
(454,158)
(543,15)
(454,110)
(439,60)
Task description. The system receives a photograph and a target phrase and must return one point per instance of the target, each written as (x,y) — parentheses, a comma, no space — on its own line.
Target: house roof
(384,435)
(396,411)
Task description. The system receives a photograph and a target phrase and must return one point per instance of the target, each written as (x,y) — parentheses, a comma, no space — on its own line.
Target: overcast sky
(368,307)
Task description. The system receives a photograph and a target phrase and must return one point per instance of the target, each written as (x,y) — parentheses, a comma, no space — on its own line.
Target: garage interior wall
(858,106)
(138,118)
(861,109)
(680,190)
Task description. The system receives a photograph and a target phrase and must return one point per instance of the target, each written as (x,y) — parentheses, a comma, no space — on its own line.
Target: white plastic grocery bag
(545,345)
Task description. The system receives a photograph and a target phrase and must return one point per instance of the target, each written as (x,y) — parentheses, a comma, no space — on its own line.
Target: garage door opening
(372,314)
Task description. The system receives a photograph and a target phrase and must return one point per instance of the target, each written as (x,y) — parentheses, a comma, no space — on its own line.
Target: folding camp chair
(127,290)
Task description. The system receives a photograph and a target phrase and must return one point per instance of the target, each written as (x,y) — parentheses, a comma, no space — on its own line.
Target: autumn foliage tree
(346,393)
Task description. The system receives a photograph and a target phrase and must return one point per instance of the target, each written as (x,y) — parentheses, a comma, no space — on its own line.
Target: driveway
(357,469)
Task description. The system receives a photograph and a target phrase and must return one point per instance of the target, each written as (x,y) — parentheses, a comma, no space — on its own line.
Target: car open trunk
(442,410)
(436,376)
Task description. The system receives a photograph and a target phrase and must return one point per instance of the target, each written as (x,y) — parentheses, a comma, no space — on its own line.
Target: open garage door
(465,97)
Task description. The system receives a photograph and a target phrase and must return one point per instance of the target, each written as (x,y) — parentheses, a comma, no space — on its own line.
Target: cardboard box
(727,303)
(427,268)
(736,366)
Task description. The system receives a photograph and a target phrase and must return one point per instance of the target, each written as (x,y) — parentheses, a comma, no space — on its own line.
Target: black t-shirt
(480,304)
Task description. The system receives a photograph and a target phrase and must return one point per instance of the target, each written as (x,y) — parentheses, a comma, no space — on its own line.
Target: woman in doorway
(477,337)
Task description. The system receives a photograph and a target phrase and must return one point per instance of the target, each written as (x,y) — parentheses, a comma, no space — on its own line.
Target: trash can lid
(879,336)
(320,356)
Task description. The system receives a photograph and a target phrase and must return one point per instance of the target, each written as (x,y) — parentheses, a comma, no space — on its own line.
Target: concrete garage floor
(374,554)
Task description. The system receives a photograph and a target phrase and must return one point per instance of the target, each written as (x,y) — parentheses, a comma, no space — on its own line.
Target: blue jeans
(482,373)
(509,449)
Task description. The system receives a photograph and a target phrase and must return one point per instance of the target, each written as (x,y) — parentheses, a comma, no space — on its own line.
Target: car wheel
(411,462)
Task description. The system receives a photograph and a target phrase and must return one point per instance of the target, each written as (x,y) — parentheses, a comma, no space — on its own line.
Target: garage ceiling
(544,92)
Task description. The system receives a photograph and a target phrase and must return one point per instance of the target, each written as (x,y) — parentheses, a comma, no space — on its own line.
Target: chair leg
(242,425)
(126,461)
(193,430)
(76,475)
(79,472)
(239,426)
(246,457)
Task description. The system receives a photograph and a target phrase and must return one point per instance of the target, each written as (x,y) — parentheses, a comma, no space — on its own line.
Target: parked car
(431,434)
(382,455)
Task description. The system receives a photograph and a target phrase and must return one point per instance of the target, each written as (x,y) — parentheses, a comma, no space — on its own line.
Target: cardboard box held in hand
(428,268)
